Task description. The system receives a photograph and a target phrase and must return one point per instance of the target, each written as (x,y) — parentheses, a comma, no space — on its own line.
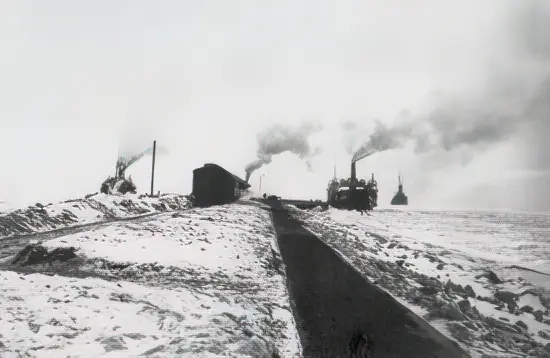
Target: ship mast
(400,182)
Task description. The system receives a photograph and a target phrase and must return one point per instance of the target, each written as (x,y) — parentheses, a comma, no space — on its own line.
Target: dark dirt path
(333,302)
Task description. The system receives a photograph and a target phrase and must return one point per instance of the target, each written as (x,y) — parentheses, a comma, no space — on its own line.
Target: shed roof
(242,183)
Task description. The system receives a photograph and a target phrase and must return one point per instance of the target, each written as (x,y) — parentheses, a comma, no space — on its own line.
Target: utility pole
(261,183)
(153,168)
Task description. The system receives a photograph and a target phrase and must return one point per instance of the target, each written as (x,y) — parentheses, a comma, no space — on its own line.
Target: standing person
(364,201)
(356,200)
(361,345)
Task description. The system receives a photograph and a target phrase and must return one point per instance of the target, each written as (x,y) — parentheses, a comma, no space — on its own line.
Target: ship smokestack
(353,198)
(353,173)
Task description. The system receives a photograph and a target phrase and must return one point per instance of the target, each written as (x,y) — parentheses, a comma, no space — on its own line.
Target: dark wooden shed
(213,185)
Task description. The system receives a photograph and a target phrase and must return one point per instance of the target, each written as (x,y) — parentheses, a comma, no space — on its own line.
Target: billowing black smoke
(513,102)
(446,127)
(279,139)
(353,134)
(257,164)
(382,138)
(451,125)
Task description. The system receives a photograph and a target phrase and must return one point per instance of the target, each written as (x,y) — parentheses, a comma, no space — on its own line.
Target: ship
(400,198)
(351,193)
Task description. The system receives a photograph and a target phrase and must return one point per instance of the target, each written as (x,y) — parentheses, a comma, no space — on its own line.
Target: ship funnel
(400,188)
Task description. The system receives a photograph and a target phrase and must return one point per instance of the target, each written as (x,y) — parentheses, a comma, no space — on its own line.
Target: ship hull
(352,194)
(361,199)
(400,200)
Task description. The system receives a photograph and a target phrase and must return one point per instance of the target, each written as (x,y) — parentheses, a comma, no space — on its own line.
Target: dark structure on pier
(213,185)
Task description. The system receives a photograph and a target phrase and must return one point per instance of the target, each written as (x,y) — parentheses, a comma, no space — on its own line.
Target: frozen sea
(499,239)
(424,258)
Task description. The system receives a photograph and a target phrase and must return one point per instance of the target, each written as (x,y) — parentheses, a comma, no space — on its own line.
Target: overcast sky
(80,81)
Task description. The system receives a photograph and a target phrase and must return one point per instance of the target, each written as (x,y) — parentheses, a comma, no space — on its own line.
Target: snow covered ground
(192,283)
(91,209)
(149,276)
(465,272)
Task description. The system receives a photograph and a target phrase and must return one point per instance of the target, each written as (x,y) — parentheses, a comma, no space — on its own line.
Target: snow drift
(91,209)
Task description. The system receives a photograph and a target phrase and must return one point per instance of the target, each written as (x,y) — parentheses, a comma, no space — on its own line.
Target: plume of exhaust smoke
(515,99)
(531,38)
(279,139)
(128,158)
(446,127)
(354,134)
(383,138)
(137,134)
(136,140)
(474,124)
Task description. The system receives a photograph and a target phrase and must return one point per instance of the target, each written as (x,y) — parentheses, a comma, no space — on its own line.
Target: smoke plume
(512,101)
(279,139)
(447,127)
(354,133)
(532,41)
(383,138)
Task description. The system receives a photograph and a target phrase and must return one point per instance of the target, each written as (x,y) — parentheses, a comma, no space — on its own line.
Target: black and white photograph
(275,179)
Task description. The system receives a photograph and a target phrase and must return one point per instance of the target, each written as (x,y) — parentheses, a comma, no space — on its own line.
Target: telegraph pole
(261,183)
(153,167)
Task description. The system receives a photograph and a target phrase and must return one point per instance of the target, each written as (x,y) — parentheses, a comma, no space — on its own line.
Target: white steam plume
(279,139)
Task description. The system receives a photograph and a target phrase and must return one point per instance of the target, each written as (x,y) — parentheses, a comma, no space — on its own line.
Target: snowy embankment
(92,209)
(436,265)
(194,283)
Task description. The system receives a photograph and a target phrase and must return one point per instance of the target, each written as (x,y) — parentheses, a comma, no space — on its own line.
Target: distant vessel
(400,198)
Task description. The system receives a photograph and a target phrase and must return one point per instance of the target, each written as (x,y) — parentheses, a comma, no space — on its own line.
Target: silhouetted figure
(361,346)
